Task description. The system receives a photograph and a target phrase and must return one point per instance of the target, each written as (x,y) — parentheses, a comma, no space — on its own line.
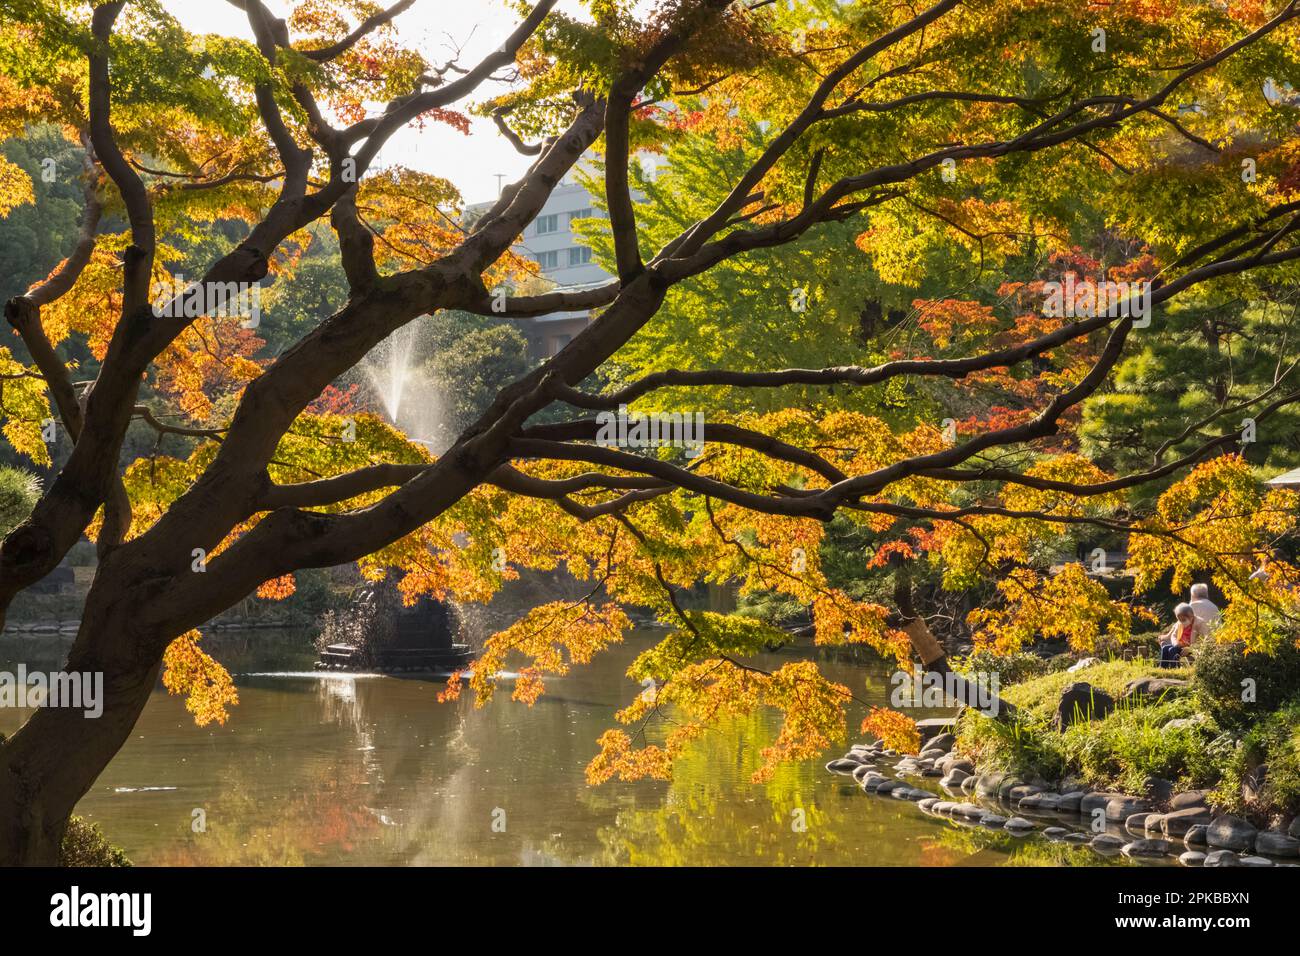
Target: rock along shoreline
(1112,824)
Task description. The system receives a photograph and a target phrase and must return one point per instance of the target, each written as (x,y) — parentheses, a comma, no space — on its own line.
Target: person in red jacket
(1187,630)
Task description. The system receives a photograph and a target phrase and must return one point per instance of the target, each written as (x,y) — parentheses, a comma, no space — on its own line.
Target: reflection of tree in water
(325,800)
(321,822)
(440,773)
(526,763)
(412,755)
(370,788)
(261,651)
(436,774)
(703,820)
(340,702)
(1011,850)
(338,768)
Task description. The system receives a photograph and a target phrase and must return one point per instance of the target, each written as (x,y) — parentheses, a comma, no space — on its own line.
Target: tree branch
(367,26)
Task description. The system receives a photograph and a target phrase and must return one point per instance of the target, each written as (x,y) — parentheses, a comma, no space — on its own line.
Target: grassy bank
(1233,728)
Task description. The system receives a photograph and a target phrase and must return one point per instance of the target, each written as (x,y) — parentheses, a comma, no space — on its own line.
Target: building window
(579,256)
(580,214)
(548,224)
(549,260)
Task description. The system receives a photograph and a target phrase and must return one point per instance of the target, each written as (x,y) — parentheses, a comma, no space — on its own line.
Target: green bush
(1010,668)
(19,491)
(1121,751)
(1021,743)
(1273,741)
(1147,640)
(772,608)
(1133,743)
(84,844)
(1221,669)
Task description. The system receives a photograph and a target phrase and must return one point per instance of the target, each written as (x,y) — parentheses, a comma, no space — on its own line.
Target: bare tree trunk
(934,659)
(55,758)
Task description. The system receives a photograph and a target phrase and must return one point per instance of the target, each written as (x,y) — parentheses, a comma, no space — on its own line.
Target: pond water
(320,769)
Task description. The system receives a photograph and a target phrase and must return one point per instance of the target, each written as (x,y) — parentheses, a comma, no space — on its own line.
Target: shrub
(1274,741)
(1010,668)
(1221,670)
(1148,641)
(19,491)
(1022,743)
(1133,743)
(84,844)
(1123,750)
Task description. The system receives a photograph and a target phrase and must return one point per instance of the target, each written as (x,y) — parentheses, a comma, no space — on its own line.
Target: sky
(435,28)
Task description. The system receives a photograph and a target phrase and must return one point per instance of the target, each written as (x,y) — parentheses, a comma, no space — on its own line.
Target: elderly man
(1206,611)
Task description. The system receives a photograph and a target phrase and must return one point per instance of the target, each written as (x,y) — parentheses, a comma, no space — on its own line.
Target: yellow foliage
(545,634)
(277,589)
(207,686)
(1219,518)
(838,619)
(15,187)
(617,758)
(23,408)
(1066,605)
(703,693)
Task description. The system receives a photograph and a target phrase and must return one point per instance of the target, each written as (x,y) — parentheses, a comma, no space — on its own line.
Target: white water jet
(388,366)
(411,402)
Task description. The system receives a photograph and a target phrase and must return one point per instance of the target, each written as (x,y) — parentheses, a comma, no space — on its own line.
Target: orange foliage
(207,686)
(898,731)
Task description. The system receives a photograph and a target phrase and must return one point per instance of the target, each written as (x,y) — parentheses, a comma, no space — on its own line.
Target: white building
(550,242)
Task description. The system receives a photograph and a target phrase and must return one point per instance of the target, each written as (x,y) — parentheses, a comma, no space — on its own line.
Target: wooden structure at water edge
(380,633)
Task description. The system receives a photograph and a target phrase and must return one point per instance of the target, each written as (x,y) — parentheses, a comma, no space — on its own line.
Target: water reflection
(361,769)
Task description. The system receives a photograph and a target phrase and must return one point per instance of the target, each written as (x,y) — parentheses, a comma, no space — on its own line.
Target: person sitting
(1263,572)
(1205,610)
(1187,629)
